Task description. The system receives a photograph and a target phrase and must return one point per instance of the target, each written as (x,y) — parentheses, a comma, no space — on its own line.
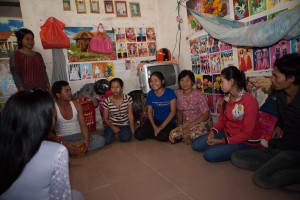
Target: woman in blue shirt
(161,109)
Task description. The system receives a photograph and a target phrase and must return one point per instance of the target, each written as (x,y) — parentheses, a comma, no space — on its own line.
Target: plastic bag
(52,34)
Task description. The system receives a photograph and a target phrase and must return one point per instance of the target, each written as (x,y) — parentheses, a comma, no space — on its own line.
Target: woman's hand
(72,149)
(115,129)
(157,130)
(214,142)
(277,132)
(210,136)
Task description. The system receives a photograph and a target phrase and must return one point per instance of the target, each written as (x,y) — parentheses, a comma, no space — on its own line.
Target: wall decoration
(8,41)
(135,9)
(240,9)
(109,7)
(278,50)
(132,50)
(295,45)
(261,57)
(141,35)
(257,6)
(66,5)
(142,49)
(130,34)
(203,44)
(120,34)
(217,84)
(80,6)
(122,50)
(193,24)
(196,64)
(204,64)
(215,62)
(152,48)
(151,35)
(7,84)
(74,72)
(94,6)
(227,58)
(86,70)
(121,8)
(245,59)
(194,46)
(80,38)
(207,84)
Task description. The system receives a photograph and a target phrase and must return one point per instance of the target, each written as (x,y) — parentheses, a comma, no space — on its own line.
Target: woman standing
(27,66)
(193,118)
(238,126)
(161,110)
(118,114)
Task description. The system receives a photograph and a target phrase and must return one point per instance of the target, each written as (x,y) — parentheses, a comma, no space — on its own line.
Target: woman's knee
(124,136)
(199,144)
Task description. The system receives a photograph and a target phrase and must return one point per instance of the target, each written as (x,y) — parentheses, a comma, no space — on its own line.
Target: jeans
(273,167)
(123,136)
(217,153)
(146,131)
(97,141)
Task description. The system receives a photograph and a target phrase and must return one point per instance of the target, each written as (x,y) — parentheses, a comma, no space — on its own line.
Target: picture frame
(135,9)
(121,8)
(66,5)
(94,6)
(109,6)
(80,6)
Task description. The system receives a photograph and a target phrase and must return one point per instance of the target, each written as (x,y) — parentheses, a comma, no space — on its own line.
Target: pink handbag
(101,43)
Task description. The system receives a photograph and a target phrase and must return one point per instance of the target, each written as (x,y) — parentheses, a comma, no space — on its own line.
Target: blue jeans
(123,136)
(217,153)
(97,141)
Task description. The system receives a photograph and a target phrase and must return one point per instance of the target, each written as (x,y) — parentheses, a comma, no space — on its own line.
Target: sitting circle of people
(176,116)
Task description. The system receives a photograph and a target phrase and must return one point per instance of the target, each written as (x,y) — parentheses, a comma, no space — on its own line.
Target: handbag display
(101,43)
(52,34)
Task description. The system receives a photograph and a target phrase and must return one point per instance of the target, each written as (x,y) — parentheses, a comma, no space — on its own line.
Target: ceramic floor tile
(86,180)
(188,172)
(179,196)
(147,186)
(123,169)
(102,193)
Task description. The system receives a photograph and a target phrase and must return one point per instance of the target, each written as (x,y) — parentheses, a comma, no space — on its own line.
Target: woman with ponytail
(238,126)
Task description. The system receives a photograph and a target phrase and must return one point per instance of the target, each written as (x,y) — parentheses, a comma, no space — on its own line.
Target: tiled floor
(152,170)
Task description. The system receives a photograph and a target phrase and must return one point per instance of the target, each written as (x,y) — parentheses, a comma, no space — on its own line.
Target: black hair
(185,73)
(160,76)
(57,87)
(234,73)
(289,65)
(116,80)
(26,121)
(20,34)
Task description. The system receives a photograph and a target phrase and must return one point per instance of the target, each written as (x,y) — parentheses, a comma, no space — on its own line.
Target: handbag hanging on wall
(101,43)
(52,34)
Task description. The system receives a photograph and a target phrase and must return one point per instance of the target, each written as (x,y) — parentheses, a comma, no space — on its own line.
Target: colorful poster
(143,49)
(240,9)
(295,45)
(278,50)
(217,84)
(121,50)
(218,103)
(120,34)
(207,84)
(273,15)
(199,82)
(194,46)
(245,59)
(7,84)
(196,65)
(210,102)
(258,20)
(257,6)
(204,64)
(130,34)
(226,58)
(74,72)
(80,38)
(100,69)
(213,44)
(215,62)
(203,44)
(132,50)
(225,46)
(8,41)
(261,58)
(152,48)
(141,34)
(86,70)
(193,24)
(151,35)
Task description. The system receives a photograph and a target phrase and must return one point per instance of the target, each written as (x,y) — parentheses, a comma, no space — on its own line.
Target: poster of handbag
(80,38)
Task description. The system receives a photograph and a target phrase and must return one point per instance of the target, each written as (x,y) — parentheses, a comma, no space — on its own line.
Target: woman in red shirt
(27,66)
(238,126)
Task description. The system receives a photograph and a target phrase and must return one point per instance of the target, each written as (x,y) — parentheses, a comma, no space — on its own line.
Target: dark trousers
(146,131)
(273,167)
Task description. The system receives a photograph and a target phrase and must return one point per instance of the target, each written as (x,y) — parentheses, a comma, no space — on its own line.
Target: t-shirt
(118,115)
(161,105)
(192,105)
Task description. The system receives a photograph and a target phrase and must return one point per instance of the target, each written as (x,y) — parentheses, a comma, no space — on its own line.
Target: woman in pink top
(192,110)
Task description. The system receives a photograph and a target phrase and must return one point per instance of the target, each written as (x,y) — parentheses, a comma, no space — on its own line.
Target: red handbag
(101,43)
(52,34)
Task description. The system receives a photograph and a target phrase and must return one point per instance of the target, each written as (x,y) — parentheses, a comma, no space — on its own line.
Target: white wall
(35,13)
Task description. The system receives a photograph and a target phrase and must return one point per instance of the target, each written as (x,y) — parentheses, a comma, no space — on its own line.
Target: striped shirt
(118,115)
